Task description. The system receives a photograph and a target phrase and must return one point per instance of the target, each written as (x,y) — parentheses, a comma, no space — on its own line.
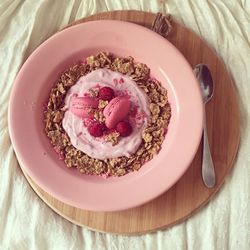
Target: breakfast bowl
(31,91)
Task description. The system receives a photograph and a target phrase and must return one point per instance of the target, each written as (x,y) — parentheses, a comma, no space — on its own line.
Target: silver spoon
(207,89)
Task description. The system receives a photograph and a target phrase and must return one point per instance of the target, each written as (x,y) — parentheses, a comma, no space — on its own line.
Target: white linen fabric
(27,223)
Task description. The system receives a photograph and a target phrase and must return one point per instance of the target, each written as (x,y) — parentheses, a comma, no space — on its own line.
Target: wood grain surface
(189,193)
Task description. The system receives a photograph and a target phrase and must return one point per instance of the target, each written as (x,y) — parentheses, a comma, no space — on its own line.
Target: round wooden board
(189,193)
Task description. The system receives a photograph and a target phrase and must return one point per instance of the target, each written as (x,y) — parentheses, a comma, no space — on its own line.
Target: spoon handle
(208,173)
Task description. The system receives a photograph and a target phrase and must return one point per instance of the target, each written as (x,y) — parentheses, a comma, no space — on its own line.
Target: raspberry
(106,93)
(124,128)
(96,129)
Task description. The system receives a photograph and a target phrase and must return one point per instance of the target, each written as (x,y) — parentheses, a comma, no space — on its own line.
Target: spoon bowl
(205,79)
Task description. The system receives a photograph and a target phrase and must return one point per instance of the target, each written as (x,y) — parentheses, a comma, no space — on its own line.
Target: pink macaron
(116,111)
(80,106)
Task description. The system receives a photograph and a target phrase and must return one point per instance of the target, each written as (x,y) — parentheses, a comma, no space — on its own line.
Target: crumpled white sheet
(27,223)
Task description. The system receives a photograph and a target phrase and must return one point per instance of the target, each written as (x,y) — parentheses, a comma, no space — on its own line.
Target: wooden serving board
(189,193)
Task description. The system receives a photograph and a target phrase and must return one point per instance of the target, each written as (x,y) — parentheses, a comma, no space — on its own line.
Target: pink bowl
(31,90)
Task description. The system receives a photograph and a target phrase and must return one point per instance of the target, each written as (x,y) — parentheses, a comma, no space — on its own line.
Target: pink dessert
(117,109)
(126,112)
(80,106)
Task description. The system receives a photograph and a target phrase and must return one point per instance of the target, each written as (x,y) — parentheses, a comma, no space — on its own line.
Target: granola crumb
(112,137)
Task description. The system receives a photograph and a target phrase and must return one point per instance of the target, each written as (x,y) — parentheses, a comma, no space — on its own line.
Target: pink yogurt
(93,146)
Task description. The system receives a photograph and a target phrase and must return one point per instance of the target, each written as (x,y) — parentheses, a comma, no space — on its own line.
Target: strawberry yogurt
(97,147)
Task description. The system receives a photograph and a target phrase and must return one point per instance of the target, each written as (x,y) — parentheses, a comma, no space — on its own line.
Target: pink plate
(31,90)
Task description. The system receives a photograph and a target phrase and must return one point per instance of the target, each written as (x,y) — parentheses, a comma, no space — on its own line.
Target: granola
(152,137)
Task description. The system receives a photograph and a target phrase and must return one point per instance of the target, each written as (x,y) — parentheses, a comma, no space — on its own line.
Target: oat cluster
(152,136)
